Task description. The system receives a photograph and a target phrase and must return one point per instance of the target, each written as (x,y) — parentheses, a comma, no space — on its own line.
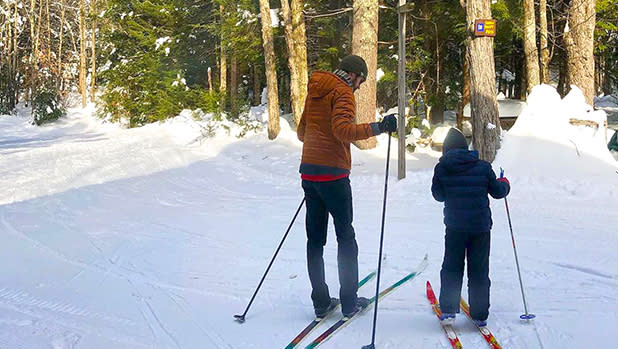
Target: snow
(154,237)
(506,107)
(573,157)
(161,41)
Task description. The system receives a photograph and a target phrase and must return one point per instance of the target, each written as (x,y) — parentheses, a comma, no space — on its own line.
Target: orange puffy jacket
(327,126)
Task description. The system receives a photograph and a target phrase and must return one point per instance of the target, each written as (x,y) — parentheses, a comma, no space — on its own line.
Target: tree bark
(297,54)
(209,80)
(93,58)
(271,72)
(544,61)
(483,103)
(465,93)
(257,85)
(233,82)
(49,45)
(60,42)
(580,46)
(223,61)
(365,44)
(530,50)
(82,52)
(300,49)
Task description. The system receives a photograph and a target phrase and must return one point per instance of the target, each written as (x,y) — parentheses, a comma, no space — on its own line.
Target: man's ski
(317,321)
(485,332)
(448,329)
(337,326)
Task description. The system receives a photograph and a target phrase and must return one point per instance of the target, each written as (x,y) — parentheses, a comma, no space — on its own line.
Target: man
(326,129)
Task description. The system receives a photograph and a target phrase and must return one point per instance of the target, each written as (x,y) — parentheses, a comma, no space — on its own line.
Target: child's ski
(448,329)
(318,321)
(337,326)
(489,337)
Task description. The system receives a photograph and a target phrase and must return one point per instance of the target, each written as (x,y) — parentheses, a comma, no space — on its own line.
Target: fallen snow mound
(559,142)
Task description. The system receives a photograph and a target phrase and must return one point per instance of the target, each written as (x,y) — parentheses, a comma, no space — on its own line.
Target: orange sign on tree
(485,27)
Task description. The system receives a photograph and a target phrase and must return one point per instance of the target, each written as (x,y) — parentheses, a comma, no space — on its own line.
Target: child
(462,181)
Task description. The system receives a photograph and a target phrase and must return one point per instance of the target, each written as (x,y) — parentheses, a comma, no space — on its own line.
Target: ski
(317,321)
(337,326)
(485,332)
(448,329)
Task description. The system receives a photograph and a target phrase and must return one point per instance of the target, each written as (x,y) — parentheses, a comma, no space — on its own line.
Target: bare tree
(297,53)
(365,44)
(579,39)
(530,50)
(483,103)
(271,71)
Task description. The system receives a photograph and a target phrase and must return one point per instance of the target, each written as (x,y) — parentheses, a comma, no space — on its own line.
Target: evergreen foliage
(153,56)
(146,76)
(46,104)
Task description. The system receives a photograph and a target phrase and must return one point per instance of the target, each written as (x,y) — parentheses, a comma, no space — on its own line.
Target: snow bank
(545,147)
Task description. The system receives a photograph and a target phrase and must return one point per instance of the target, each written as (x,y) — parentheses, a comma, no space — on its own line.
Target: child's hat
(454,140)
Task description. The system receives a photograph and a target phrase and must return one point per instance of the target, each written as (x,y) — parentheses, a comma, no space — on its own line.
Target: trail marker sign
(485,27)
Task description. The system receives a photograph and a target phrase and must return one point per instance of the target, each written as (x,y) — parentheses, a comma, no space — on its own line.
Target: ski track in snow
(162,250)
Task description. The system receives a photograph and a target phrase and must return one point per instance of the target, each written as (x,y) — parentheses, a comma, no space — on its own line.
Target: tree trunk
(223,61)
(465,94)
(60,42)
(33,66)
(82,52)
(48,47)
(271,71)
(530,50)
(483,103)
(365,44)
(297,54)
(300,49)
(544,62)
(233,83)
(580,46)
(93,58)
(563,75)
(209,80)
(257,85)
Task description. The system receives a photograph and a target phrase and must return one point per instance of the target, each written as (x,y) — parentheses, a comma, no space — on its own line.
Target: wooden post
(401,88)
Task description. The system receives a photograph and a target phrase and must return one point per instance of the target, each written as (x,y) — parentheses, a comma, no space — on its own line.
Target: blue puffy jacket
(462,181)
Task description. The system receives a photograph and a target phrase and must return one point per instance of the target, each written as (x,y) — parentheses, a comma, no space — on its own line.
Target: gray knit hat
(354,64)
(454,140)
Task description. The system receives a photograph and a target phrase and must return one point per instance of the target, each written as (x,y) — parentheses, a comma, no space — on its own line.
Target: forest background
(146,61)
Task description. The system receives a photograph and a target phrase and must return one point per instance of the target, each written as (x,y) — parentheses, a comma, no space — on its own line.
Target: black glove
(388,124)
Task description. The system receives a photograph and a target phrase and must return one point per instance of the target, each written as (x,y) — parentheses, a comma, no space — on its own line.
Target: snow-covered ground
(155,237)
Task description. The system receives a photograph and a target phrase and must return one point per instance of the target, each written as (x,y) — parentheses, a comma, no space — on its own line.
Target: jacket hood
(459,160)
(322,83)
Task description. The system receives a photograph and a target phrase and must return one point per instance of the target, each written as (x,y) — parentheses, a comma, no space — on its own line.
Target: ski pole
(241,318)
(526,316)
(375,309)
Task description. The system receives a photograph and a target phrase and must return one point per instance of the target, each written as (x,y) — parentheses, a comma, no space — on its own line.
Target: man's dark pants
(475,248)
(322,198)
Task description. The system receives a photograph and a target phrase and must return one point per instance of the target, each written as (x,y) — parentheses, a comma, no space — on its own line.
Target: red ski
(485,332)
(448,329)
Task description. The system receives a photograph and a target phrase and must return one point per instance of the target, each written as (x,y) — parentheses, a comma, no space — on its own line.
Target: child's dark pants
(475,248)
